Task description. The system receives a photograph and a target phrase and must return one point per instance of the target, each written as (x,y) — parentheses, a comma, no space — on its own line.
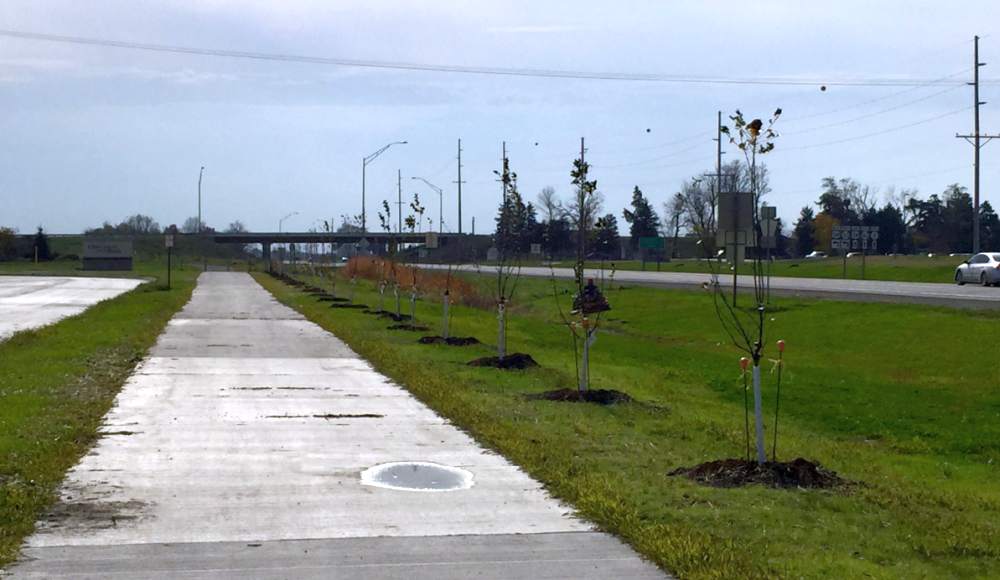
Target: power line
(874,113)
(877,133)
(936,81)
(444,68)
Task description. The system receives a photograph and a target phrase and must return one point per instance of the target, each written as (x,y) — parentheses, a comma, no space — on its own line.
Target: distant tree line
(907,223)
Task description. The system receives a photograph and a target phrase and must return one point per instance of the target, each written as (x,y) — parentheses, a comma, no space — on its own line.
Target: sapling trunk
(413,307)
(354,282)
(395,293)
(758,413)
(501,330)
(381,297)
(590,335)
(446,303)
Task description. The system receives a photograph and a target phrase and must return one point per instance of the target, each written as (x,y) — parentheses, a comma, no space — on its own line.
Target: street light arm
(374,155)
(432,186)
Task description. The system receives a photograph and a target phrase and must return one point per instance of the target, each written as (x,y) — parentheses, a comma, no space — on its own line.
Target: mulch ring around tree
(780,474)
(598,396)
(517,360)
(330,298)
(411,327)
(348,305)
(386,314)
(450,341)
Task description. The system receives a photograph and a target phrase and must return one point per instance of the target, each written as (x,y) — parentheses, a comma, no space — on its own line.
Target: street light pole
(364,164)
(440,193)
(200,173)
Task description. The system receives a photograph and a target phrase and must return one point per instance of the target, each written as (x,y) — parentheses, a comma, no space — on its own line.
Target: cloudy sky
(94,133)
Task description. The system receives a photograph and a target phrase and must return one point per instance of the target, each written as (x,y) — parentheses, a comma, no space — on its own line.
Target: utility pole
(460,182)
(718,194)
(977,141)
(581,230)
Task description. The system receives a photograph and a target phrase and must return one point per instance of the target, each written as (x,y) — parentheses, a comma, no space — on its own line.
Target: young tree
(747,329)
(642,219)
(588,302)
(418,211)
(508,241)
(385,220)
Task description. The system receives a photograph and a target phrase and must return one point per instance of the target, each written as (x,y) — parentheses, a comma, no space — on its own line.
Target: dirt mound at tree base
(412,327)
(598,396)
(739,472)
(450,341)
(387,314)
(518,360)
(347,305)
(330,298)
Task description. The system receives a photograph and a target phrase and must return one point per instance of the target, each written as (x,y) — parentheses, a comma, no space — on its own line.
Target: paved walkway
(31,301)
(235,451)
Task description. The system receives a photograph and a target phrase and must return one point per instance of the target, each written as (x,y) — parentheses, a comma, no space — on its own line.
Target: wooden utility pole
(581,251)
(977,140)
(460,182)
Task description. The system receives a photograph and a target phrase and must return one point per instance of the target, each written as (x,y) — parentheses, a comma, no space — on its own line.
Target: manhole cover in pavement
(417,476)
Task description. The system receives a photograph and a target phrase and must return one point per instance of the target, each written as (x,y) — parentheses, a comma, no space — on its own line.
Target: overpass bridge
(376,241)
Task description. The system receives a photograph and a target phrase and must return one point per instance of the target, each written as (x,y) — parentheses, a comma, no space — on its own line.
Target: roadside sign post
(846,238)
(168,241)
(735,228)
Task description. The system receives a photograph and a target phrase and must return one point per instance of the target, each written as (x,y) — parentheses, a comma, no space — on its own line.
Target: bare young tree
(584,319)
(508,263)
(747,328)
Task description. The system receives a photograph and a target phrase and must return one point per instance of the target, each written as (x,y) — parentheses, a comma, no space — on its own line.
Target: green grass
(57,382)
(898,268)
(902,399)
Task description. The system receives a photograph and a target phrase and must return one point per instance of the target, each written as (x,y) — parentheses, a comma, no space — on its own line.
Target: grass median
(58,381)
(902,400)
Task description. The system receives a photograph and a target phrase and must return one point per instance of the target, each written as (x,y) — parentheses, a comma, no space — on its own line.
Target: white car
(983,268)
(815,255)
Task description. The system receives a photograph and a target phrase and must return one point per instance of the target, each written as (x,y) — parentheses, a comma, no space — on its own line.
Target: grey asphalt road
(968,296)
(236,450)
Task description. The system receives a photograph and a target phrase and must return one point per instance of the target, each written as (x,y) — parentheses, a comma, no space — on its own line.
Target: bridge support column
(266,251)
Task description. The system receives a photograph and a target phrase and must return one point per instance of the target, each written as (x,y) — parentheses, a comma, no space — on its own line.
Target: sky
(91,134)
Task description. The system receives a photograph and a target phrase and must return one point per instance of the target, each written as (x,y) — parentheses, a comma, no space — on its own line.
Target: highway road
(968,296)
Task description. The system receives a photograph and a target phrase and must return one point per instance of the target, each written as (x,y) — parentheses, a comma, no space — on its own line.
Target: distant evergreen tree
(642,219)
(805,232)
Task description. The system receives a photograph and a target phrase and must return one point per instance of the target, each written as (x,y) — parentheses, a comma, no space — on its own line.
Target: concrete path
(968,296)
(31,301)
(236,450)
